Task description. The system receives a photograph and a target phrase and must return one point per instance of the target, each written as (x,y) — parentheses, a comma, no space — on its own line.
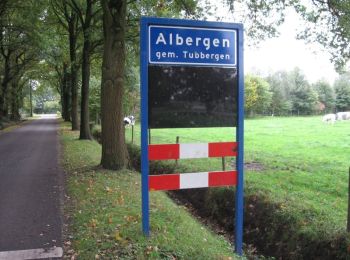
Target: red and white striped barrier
(186,151)
(192,180)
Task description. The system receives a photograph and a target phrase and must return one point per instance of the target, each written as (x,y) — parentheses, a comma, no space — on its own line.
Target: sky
(286,53)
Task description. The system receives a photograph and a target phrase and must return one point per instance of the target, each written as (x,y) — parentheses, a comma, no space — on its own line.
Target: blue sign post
(172,43)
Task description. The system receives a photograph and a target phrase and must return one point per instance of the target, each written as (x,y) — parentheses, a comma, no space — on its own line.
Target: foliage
(95,99)
(342,92)
(280,88)
(293,94)
(329,25)
(261,18)
(326,96)
(19,50)
(304,98)
(258,94)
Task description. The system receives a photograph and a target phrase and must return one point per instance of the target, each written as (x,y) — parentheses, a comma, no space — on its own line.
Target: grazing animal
(329,118)
(343,116)
(129,120)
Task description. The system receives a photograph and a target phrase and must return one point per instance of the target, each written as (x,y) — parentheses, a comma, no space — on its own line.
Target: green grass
(305,164)
(105,214)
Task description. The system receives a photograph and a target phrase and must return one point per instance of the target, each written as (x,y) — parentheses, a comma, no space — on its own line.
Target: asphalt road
(30,187)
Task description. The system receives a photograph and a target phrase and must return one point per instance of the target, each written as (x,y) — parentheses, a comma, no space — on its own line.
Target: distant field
(301,162)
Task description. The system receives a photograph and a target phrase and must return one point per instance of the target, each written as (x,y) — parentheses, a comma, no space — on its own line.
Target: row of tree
(87,51)
(289,93)
(66,45)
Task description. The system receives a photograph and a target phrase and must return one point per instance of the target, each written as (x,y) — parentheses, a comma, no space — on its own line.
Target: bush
(96,133)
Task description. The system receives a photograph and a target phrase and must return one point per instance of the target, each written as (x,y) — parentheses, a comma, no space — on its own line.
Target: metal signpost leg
(144,129)
(240,156)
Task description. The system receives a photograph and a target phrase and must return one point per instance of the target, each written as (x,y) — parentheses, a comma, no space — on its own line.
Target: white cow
(129,120)
(329,118)
(343,116)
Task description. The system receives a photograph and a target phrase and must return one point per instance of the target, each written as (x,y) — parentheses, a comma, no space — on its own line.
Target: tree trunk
(4,87)
(85,73)
(31,99)
(84,113)
(2,103)
(67,99)
(14,99)
(65,92)
(73,71)
(114,151)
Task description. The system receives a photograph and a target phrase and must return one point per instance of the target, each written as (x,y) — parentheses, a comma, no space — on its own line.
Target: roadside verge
(103,209)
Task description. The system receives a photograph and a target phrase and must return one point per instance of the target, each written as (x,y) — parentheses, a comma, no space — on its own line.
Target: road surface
(30,191)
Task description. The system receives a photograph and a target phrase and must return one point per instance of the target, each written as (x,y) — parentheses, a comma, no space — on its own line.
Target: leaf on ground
(93,223)
(117,236)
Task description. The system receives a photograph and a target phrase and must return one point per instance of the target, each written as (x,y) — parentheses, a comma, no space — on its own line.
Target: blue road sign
(191,45)
(167,42)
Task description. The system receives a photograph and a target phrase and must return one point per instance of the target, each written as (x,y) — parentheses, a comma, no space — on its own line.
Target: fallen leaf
(117,236)
(93,223)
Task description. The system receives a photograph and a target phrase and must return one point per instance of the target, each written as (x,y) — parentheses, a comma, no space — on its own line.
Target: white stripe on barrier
(196,150)
(194,180)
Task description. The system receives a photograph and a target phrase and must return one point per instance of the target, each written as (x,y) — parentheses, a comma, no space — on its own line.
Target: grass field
(303,165)
(104,214)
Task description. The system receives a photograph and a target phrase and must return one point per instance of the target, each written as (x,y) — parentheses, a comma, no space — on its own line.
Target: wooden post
(223,163)
(149,136)
(348,220)
(132,134)
(177,141)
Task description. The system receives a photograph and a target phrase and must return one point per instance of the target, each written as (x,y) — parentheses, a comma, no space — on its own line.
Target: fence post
(177,141)
(149,136)
(132,134)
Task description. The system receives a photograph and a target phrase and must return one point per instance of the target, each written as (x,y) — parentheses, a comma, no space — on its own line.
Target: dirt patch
(254,166)
(251,166)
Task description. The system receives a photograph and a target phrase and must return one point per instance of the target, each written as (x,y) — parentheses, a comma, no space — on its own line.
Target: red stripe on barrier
(228,178)
(164,182)
(163,151)
(222,149)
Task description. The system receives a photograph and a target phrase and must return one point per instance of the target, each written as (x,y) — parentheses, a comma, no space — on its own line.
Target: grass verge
(8,126)
(296,201)
(104,212)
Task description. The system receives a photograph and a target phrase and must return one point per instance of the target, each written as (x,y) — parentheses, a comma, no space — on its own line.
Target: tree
(326,95)
(342,92)
(19,50)
(261,18)
(115,20)
(329,25)
(114,153)
(303,97)
(88,16)
(68,19)
(258,95)
(280,86)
